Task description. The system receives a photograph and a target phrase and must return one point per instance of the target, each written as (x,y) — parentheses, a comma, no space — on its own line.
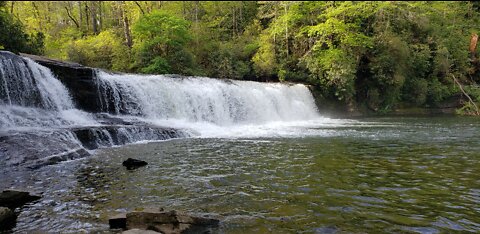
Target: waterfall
(40,124)
(26,83)
(31,96)
(201,99)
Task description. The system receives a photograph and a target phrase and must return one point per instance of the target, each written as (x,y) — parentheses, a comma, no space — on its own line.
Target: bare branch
(141,9)
(71,17)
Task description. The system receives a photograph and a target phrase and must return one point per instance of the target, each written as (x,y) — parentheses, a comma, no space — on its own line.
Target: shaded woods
(372,55)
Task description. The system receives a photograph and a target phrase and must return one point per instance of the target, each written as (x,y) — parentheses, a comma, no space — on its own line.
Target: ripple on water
(384,175)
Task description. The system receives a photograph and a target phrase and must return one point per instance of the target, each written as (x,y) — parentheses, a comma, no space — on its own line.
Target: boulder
(14,198)
(131,163)
(7,218)
(171,222)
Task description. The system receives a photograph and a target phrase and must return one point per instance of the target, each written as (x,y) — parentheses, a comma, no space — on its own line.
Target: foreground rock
(118,221)
(168,222)
(7,218)
(13,199)
(131,163)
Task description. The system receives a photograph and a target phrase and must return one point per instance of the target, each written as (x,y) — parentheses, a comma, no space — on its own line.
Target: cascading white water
(212,107)
(26,83)
(40,125)
(31,96)
(200,99)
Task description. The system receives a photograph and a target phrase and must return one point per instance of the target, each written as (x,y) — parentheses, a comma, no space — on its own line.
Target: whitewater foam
(201,99)
(214,108)
(32,97)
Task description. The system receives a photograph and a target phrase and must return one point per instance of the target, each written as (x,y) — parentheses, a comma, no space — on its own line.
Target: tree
(160,39)
(13,36)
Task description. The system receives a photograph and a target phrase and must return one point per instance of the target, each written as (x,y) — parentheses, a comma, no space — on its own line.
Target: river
(386,175)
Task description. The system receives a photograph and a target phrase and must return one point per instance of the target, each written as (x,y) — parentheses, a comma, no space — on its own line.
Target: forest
(372,55)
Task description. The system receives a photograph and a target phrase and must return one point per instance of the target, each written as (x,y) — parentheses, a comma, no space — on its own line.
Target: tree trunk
(37,15)
(196,11)
(184,13)
(100,15)
(476,111)
(94,18)
(126,26)
(47,16)
(86,16)
(286,31)
(234,29)
(80,15)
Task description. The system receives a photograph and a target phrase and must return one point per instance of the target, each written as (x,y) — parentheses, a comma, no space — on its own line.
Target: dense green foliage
(160,41)
(373,55)
(13,36)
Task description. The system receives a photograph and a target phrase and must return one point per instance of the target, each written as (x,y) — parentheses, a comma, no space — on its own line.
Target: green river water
(375,175)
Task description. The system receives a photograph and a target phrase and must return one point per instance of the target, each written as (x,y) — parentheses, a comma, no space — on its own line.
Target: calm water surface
(387,175)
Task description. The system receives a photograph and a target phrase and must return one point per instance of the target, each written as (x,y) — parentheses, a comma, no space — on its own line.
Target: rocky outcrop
(13,198)
(48,147)
(39,148)
(9,200)
(167,222)
(78,79)
(104,136)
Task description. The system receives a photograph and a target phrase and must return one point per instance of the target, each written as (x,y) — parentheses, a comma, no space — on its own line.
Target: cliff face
(78,79)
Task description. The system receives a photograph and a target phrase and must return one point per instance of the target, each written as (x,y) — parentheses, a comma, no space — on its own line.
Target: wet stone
(7,218)
(118,221)
(171,222)
(131,163)
(14,198)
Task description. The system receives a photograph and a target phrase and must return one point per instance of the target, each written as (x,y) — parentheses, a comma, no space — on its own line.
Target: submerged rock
(13,198)
(131,163)
(171,222)
(7,218)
